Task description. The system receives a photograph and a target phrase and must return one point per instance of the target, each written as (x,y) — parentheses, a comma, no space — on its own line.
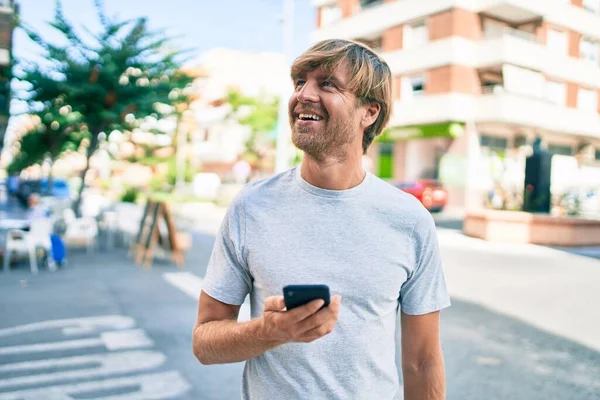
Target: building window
(330,14)
(519,141)
(589,49)
(557,41)
(415,34)
(417,85)
(587,99)
(370,3)
(560,150)
(556,92)
(592,5)
(494,142)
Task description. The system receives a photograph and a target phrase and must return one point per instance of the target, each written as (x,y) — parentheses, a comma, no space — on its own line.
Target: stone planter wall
(522,227)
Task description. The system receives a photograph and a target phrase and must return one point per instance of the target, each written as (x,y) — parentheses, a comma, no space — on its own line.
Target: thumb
(274,303)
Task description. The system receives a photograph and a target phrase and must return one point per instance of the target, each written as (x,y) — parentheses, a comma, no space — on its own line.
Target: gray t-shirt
(373,244)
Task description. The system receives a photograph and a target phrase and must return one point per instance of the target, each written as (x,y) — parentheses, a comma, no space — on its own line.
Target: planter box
(522,227)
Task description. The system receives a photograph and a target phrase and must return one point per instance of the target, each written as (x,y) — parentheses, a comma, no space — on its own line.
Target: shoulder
(399,204)
(263,191)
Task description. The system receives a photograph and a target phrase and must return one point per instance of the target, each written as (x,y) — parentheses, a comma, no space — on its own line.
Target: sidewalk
(551,289)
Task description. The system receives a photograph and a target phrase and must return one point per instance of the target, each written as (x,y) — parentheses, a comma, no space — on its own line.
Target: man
(328,222)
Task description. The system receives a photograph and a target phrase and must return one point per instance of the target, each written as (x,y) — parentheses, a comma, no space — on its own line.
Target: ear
(372,111)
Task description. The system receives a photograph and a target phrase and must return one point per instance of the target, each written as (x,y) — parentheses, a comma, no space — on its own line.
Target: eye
(299,83)
(328,84)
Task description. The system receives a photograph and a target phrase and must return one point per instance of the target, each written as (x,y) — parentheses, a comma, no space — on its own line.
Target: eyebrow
(321,76)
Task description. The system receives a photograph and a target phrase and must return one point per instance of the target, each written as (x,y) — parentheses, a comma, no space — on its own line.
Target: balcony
(525,50)
(559,12)
(514,11)
(498,106)
(507,46)
(374,20)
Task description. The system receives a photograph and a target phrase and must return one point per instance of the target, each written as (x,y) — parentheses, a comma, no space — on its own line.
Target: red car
(430,193)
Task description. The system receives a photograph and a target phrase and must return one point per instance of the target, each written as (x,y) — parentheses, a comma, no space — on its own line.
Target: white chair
(22,242)
(82,230)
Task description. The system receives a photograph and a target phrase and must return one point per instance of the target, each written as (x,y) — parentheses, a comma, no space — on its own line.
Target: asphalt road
(105,328)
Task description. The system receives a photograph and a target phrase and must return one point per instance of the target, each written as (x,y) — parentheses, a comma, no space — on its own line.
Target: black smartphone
(298,295)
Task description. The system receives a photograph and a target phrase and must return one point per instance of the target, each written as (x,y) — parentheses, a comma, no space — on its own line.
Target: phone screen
(298,295)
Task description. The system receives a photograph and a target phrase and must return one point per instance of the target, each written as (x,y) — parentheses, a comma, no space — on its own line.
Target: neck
(333,174)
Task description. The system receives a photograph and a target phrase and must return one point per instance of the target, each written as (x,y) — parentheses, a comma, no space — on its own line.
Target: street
(523,325)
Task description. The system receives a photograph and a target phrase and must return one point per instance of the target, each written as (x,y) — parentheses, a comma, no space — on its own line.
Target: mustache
(308,109)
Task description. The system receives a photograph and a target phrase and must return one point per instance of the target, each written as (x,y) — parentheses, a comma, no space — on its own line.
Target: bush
(130,195)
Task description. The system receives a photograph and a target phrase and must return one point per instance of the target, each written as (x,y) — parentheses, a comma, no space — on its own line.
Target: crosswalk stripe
(191,285)
(109,364)
(73,326)
(116,340)
(188,283)
(156,386)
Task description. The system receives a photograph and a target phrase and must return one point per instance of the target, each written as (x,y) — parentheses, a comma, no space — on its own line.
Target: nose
(307,93)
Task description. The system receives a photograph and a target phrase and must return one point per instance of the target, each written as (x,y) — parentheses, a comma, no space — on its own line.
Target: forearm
(220,342)
(425,382)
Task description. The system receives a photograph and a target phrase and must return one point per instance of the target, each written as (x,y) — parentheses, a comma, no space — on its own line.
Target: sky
(251,25)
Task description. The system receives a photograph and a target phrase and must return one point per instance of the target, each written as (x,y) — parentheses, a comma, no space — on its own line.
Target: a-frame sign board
(156,219)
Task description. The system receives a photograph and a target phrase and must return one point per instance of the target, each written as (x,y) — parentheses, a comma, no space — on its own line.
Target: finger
(322,317)
(335,303)
(301,313)
(274,303)
(317,332)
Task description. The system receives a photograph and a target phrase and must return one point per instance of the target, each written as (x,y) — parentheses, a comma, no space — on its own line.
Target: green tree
(261,118)
(54,131)
(117,76)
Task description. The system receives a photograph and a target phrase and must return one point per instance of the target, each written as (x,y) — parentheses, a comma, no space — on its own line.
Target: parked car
(429,192)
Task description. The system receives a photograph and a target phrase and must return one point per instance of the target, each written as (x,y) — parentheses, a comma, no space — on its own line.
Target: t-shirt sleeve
(425,289)
(227,276)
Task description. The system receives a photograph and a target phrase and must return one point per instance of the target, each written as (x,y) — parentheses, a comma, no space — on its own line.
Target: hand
(302,324)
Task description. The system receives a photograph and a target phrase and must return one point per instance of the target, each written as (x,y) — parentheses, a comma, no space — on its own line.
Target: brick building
(476,81)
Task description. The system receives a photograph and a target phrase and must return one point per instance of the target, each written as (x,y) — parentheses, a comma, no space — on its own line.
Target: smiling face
(325,116)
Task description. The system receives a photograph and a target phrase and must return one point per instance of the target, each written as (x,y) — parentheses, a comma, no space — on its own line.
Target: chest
(364,259)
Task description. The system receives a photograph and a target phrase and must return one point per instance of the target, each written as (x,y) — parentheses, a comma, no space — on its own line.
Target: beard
(330,139)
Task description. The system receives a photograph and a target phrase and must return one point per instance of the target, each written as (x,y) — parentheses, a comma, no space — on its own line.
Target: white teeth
(310,116)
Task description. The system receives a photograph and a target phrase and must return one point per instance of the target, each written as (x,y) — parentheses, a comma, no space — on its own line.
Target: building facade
(8,9)
(475,82)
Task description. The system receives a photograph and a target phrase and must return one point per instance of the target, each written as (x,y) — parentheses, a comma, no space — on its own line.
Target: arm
(422,358)
(218,337)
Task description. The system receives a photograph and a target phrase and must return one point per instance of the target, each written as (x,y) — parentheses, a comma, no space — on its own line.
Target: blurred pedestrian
(35,210)
(330,222)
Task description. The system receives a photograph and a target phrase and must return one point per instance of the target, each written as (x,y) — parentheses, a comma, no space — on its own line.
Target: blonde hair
(371,76)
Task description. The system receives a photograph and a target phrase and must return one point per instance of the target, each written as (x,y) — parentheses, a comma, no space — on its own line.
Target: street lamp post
(282,156)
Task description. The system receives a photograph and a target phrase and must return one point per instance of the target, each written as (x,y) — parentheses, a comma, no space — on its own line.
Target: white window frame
(407,86)
(330,14)
(592,6)
(549,90)
(415,34)
(563,49)
(587,99)
(594,54)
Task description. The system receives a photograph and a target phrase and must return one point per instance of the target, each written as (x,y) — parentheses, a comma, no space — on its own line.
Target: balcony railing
(495,34)
(491,89)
